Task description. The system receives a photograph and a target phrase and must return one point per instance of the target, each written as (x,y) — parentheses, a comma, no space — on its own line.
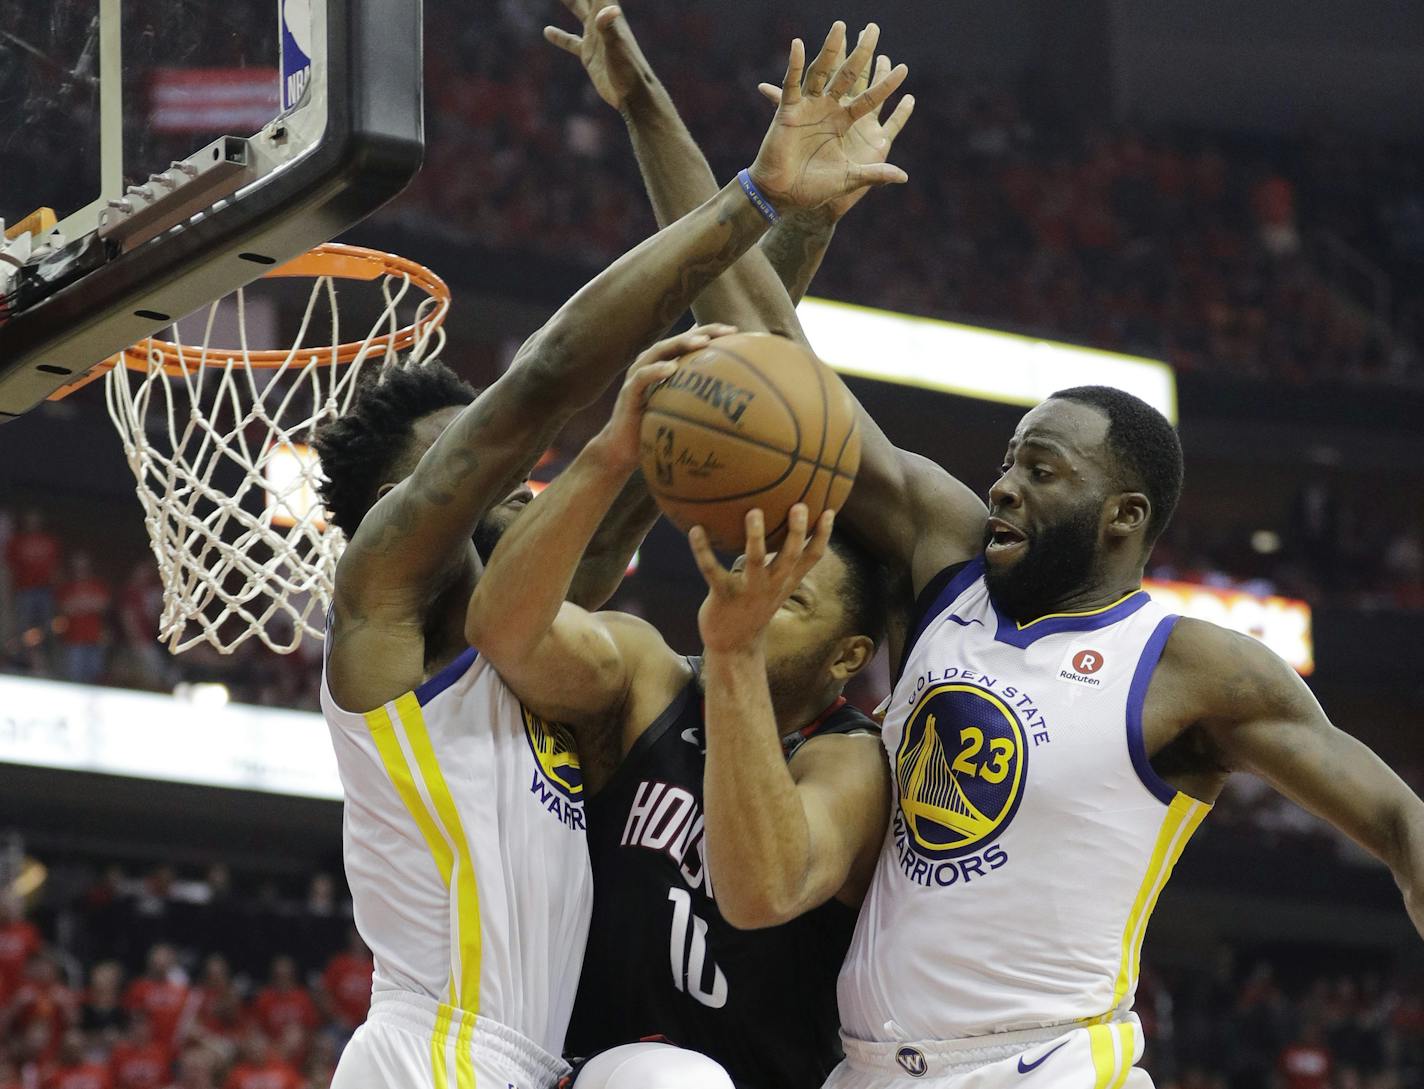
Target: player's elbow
(756,908)
(483,629)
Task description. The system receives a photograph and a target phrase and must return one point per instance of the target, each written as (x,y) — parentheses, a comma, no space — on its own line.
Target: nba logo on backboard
(295,21)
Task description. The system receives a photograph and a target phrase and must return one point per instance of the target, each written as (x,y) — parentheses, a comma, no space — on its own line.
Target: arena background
(1234,188)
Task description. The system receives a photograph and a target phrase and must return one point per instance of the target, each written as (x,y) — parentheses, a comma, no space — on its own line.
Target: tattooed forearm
(694,277)
(795,247)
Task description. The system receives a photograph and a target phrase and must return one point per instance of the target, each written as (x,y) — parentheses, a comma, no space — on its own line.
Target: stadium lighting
(972,362)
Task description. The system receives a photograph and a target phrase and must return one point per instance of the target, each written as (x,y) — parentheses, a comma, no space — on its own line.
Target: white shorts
(1058,1057)
(412,1042)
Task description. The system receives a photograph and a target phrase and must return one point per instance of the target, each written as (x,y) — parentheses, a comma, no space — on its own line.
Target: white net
(219,443)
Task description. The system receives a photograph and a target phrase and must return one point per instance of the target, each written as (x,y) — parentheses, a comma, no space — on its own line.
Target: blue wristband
(762,205)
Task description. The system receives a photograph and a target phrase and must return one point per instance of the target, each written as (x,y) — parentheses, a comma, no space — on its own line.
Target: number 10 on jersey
(688,950)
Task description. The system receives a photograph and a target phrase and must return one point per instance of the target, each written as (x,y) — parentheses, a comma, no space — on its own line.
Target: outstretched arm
(781,839)
(910,511)
(414,542)
(614,544)
(1263,719)
(561,660)
(678,177)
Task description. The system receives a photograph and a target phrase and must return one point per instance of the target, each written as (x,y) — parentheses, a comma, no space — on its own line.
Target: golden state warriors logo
(960,770)
(558,783)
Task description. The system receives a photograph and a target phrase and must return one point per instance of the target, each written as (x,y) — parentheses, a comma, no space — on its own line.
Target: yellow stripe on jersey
(467,900)
(388,745)
(1183,817)
(1100,1037)
(464,1062)
(1127,1039)
(439,1064)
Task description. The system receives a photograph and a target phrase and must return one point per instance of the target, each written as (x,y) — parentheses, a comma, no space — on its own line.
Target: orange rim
(335,259)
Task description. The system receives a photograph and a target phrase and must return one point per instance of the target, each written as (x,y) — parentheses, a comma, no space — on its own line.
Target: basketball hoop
(218,439)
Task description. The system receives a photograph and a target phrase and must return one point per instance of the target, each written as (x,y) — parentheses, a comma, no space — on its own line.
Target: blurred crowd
(1216,253)
(168,981)
(1295,258)
(66,615)
(159,982)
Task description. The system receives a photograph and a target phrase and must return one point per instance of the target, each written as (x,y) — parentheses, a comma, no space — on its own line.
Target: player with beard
(1055,738)
(464,826)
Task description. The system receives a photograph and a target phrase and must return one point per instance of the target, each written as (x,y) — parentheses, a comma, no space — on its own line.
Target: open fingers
(789,555)
(820,541)
(795,64)
(707,563)
(827,60)
(569,43)
(857,63)
(756,544)
(903,109)
(607,17)
(878,92)
(771,91)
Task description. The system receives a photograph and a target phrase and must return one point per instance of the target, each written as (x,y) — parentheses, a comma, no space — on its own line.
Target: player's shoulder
(654,669)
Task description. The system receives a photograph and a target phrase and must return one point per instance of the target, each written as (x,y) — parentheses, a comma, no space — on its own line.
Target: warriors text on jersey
(468,864)
(1029,835)
(661,959)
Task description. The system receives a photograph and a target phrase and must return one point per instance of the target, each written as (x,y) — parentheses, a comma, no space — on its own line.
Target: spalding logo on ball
(751,420)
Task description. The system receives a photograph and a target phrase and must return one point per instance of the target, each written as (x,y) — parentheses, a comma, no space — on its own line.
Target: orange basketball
(751,420)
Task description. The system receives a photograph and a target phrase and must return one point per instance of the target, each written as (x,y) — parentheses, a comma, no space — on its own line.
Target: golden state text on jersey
(558,778)
(960,773)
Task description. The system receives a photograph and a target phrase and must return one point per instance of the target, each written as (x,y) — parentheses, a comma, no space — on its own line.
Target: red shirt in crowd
(273,1074)
(1305,1066)
(19,941)
(347,980)
(163,1001)
(84,602)
(33,558)
(275,1010)
(52,1003)
(80,1076)
(140,1066)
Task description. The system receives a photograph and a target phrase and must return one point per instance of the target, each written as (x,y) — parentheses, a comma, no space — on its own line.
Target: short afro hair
(360,449)
(866,588)
(1144,445)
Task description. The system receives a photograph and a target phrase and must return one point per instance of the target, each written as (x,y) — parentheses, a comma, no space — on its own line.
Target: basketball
(752,420)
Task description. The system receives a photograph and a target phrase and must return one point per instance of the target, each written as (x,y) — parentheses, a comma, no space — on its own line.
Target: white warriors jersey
(1029,837)
(466,852)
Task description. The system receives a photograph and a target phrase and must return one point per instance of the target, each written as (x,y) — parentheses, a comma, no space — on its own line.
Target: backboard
(185,147)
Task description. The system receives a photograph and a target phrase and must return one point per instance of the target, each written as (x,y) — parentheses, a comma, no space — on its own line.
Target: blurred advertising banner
(197,737)
(969,361)
(1282,623)
(205,100)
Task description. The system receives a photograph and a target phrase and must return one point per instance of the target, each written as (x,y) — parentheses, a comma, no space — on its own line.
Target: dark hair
(1145,446)
(866,588)
(360,450)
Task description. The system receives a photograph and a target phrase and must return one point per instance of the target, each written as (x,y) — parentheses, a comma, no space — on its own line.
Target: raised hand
(618,441)
(741,602)
(810,155)
(610,54)
(869,140)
